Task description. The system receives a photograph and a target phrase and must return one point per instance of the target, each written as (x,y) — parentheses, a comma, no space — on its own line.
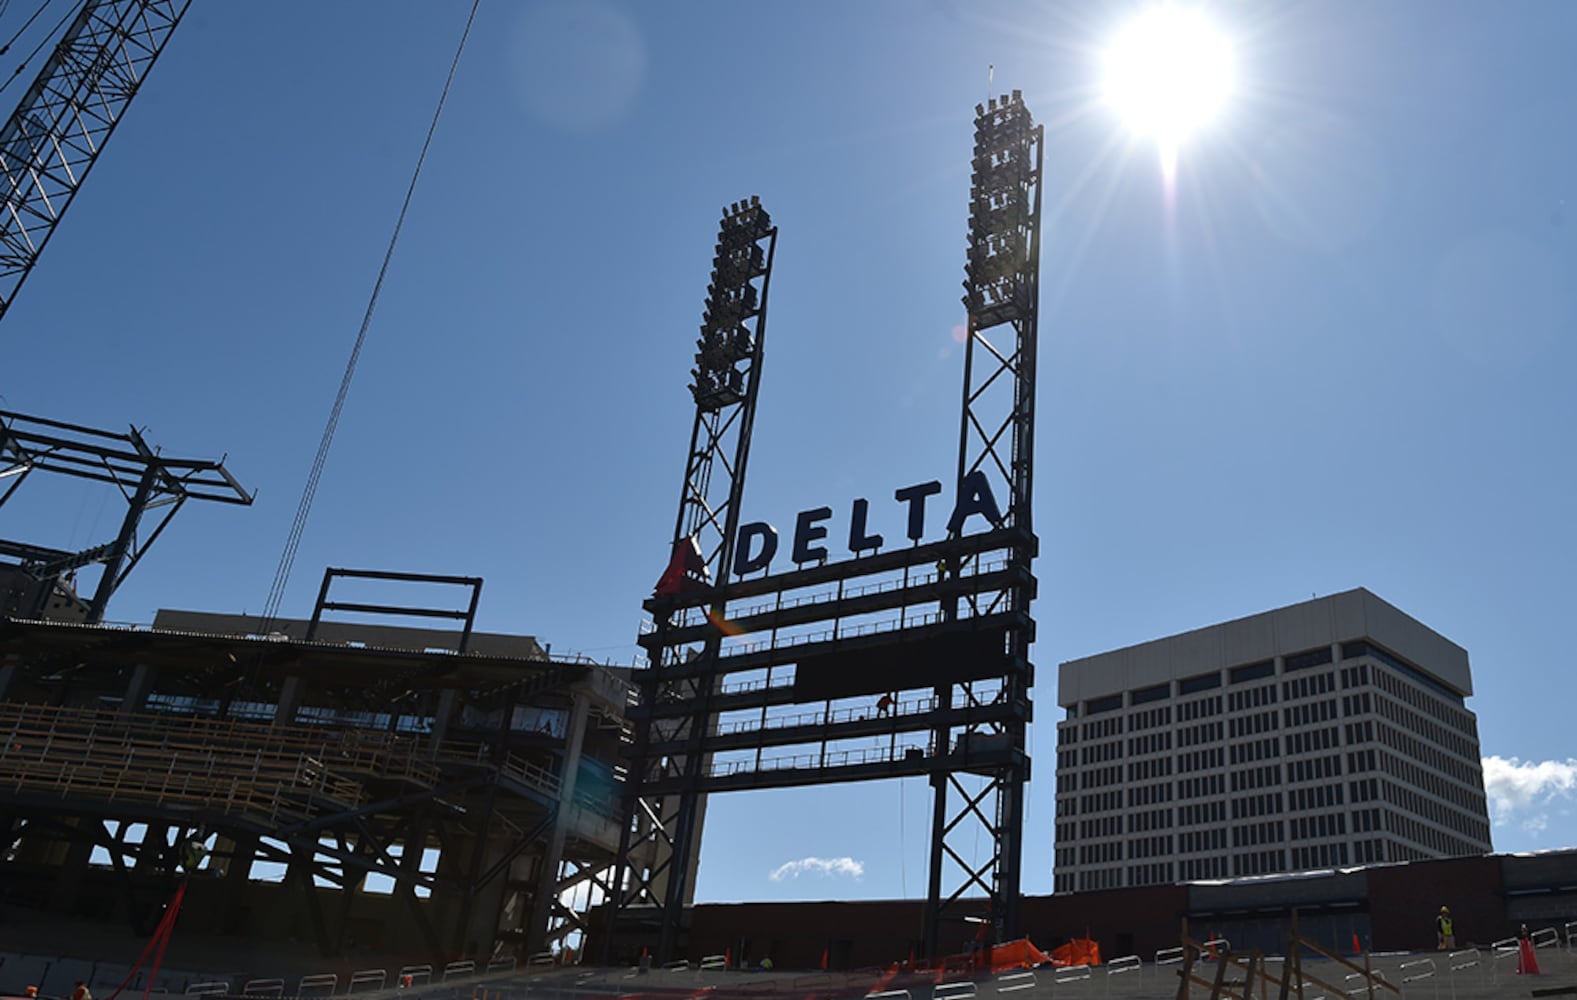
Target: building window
(1303,661)
(1108,704)
(1203,682)
(1253,671)
(1145,695)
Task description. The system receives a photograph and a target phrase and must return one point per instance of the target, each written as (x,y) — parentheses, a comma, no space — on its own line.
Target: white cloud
(822,867)
(1525,791)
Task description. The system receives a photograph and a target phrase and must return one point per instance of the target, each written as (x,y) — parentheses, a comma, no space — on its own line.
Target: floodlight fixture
(1002,189)
(725,349)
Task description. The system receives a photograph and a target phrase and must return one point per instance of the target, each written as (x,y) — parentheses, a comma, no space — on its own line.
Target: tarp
(1079,951)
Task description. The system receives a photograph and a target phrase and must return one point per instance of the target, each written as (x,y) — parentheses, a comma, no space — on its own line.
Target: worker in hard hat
(1445,935)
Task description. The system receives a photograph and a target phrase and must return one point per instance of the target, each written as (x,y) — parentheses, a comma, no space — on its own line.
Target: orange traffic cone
(1527,960)
(1357,949)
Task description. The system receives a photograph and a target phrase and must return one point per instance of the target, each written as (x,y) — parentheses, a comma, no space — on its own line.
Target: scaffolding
(477,785)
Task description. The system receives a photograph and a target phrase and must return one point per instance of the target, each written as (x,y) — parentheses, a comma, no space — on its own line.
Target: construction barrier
(540,959)
(1503,952)
(323,985)
(677,965)
(1369,981)
(1169,956)
(1126,963)
(1070,973)
(714,963)
(415,975)
(1423,968)
(1015,981)
(367,981)
(456,970)
(505,963)
(1547,937)
(209,989)
(1461,961)
(953,991)
(264,988)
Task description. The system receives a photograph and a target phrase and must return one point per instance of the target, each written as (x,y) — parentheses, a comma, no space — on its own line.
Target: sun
(1168,73)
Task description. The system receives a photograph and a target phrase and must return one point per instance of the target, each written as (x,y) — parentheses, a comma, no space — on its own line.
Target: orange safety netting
(1079,951)
(1020,954)
(1006,957)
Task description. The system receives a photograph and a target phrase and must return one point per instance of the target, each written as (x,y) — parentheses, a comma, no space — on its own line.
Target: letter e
(806,530)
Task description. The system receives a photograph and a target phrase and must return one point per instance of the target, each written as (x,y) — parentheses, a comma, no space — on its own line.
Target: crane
(60,126)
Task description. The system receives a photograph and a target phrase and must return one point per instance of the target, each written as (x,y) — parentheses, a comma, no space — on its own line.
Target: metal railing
(830,758)
(227,765)
(1014,982)
(913,706)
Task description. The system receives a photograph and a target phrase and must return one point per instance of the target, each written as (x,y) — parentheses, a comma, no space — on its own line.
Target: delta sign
(757,542)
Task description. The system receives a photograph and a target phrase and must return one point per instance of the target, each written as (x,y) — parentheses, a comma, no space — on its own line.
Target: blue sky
(1338,353)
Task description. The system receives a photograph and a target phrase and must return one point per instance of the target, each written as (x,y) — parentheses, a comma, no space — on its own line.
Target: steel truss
(60,126)
(661,837)
(909,662)
(340,762)
(146,479)
(996,440)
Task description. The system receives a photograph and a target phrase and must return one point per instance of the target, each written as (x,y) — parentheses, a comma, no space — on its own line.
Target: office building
(1330,733)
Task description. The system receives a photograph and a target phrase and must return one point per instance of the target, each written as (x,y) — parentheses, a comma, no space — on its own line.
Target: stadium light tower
(996,439)
(660,840)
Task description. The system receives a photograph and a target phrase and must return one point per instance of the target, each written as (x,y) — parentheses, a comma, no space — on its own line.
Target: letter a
(974,497)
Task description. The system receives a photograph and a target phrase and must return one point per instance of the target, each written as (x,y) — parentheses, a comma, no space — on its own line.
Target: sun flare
(1168,73)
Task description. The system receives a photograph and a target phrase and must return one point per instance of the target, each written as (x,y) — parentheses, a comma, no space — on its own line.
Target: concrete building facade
(1326,734)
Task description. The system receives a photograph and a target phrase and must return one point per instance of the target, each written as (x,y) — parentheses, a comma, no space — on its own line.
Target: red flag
(686,566)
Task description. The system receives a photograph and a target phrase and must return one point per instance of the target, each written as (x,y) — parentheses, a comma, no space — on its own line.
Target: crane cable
(70,15)
(287,557)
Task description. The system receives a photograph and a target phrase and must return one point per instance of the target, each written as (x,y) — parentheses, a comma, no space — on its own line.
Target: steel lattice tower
(910,659)
(660,845)
(996,439)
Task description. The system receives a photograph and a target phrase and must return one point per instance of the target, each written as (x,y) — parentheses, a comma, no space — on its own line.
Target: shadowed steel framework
(909,662)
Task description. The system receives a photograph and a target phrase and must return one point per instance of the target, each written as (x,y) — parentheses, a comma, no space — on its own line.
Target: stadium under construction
(348,791)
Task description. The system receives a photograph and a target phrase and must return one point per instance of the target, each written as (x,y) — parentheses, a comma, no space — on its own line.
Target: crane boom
(57,131)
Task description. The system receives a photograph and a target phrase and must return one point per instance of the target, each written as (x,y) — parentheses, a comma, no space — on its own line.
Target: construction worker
(192,853)
(1445,935)
(81,992)
(884,704)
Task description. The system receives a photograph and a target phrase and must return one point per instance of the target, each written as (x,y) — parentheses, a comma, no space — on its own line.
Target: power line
(287,557)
